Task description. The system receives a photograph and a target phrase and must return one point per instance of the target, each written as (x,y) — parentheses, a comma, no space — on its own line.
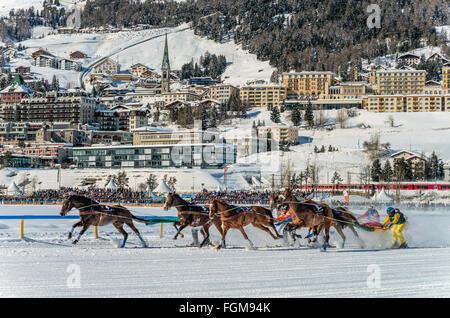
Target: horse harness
(98,209)
(240,210)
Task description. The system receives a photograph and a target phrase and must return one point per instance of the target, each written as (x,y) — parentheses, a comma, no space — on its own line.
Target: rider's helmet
(390,210)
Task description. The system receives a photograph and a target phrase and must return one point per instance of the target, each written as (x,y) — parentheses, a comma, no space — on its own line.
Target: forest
(291,34)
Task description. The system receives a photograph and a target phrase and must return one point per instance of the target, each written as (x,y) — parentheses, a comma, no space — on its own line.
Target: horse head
(67,206)
(169,201)
(212,208)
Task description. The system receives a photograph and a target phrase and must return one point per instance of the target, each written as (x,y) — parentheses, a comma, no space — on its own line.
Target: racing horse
(93,213)
(238,217)
(309,214)
(288,228)
(191,215)
(341,218)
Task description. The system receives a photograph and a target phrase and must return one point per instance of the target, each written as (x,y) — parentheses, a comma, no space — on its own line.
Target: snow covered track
(44,265)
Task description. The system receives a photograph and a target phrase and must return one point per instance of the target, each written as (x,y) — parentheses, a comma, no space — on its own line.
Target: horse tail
(344,218)
(138,219)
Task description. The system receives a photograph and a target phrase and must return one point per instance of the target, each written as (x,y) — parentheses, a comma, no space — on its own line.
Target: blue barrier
(36,217)
(69,217)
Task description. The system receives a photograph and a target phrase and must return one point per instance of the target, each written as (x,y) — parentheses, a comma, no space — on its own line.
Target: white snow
(419,132)
(38,267)
(7,5)
(146,47)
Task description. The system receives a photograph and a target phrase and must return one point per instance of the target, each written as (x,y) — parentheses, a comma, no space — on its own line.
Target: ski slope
(42,265)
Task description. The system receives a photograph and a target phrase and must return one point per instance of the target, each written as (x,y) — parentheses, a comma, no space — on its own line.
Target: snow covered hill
(146,47)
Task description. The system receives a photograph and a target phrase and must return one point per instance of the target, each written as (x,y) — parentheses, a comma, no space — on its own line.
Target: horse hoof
(75,242)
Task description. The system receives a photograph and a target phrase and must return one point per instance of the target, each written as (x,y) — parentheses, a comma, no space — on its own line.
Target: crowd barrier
(22,219)
(146,205)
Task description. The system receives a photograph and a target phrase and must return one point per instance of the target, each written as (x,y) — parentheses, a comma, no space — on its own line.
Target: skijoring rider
(398,220)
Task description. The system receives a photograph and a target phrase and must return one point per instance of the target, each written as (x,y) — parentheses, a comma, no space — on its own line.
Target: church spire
(165,61)
(165,68)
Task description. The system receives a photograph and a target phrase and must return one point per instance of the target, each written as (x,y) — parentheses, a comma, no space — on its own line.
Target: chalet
(107,66)
(417,161)
(40,52)
(210,103)
(78,55)
(138,69)
(436,57)
(409,58)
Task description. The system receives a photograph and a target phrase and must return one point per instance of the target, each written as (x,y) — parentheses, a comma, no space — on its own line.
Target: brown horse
(341,218)
(238,217)
(310,214)
(191,215)
(93,213)
(288,228)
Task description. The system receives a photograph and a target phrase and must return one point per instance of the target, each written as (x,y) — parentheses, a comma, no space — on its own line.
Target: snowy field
(44,264)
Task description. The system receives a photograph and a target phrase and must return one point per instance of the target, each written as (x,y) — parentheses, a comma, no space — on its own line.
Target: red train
(402,186)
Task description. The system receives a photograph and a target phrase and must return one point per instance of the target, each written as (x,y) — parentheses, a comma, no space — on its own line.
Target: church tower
(165,68)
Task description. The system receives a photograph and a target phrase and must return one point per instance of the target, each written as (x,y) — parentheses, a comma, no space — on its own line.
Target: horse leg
(327,236)
(241,228)
(135,230)
(179,230)
(85,227)
(224,234)
(205,233)
(79,223)
(119,227)
(176,228)
(265,229)
(338,228)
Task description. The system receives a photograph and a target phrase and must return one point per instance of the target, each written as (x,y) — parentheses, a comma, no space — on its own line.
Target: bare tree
(341,118)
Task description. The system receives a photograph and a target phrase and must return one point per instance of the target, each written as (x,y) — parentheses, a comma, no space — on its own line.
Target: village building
(77,55)
(107,66)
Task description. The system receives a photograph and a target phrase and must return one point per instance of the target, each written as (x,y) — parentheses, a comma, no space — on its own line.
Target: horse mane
(176,195)
(82,198)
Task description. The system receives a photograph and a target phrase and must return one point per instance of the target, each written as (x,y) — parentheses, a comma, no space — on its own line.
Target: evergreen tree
(375,171)
(296,115)
(386,174)
(309,115)
(336,179)
(275,115)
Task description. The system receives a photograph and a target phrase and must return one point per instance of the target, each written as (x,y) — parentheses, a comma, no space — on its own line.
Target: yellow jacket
(397,218)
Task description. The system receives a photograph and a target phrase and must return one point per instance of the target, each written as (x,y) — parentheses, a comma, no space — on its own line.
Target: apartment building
(407,103)
(181,95)
(391,82)
(446,76)
(305,83)
(263,95)
(384,103)
(347,90)
(280,133)
(167,136)
(222,92)
(156,156)
(72,107)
